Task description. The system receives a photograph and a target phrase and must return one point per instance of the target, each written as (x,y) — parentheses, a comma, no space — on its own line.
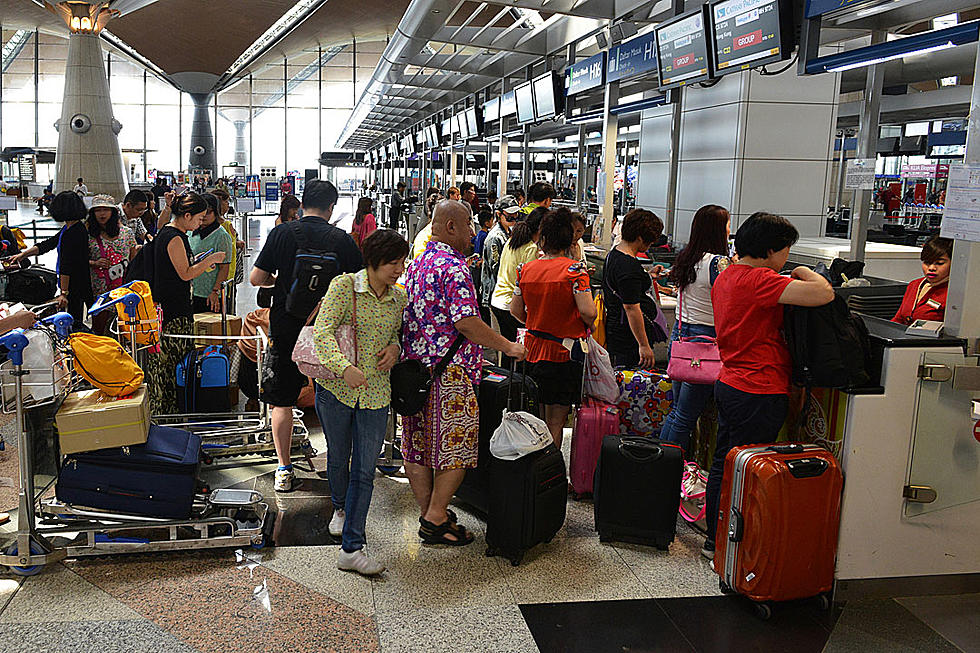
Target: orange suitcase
(778,518)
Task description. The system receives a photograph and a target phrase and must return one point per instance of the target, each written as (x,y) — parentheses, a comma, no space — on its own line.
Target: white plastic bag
(600,380)
(519,434)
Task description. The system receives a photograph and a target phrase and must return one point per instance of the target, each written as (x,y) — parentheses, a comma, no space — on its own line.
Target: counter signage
(860,174)
(745,31)
(925,171)
(683,50)
(961,215)
(816,8)
(586,75)
(271,191)
(632,58)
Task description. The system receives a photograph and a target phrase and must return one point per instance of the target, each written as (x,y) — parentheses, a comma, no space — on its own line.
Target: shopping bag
(519,434)
(600,379)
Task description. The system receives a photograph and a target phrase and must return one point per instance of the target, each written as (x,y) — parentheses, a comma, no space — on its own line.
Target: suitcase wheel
(605,537)
(763,610)
(515,560)
(258,542)
(823,602)
(723,586)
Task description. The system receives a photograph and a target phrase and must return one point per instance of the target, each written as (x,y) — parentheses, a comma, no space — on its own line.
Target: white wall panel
(706,182)
(789,87)
(788,131)
(728,90)
(711,133)
(651,185)
(783,187)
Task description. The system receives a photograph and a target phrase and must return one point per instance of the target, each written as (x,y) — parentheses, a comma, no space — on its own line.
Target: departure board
(749,33)
(524,94)
(682,47)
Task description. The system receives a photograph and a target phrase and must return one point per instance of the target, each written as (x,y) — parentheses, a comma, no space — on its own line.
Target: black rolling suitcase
(495,387)
(528,498)
(637,490)
(156,479)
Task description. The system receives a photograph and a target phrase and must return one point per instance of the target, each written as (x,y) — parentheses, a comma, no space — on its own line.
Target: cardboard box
(209,324)
(91,420)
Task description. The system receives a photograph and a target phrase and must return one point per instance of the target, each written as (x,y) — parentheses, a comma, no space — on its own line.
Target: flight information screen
(682,47)
(746,33)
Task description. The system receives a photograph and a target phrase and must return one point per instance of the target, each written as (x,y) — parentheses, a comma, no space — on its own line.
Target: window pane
(304,146)
(161,137)
(268,140)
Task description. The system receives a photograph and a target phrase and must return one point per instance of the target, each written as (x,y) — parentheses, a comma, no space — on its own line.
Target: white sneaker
(286,481)
(336,526)
(360,562)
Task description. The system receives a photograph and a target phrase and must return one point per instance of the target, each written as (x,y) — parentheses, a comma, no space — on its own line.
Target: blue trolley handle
(16,342)
(130,301)
(62,323)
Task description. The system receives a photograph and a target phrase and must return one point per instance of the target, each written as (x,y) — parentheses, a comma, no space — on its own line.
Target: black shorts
(281,379)
(558,383)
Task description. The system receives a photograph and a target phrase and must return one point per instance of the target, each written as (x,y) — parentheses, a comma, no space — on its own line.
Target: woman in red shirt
(752,392)
(925,298)
(554,299)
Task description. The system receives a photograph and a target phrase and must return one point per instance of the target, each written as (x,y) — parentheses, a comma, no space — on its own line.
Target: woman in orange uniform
(925,298)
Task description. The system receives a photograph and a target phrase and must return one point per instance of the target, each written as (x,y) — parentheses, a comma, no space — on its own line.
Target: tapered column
(201,155)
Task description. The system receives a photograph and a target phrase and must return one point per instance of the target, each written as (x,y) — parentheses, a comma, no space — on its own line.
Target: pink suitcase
(593,421)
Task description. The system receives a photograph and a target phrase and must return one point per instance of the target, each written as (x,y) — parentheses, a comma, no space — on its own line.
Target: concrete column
(88,144)
(241,147)
(202,138)
(610,131)
(580,182)
(867,149)
(502,168)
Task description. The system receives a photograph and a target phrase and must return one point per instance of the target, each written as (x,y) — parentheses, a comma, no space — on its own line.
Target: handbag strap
(353,319)
(444,361)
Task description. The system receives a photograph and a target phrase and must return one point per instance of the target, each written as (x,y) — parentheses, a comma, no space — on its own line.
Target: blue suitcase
(156,479)
(203,378)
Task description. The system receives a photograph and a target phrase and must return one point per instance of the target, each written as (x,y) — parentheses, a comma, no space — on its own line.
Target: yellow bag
(104,363)
(19,236)
(599,328)
(148,329)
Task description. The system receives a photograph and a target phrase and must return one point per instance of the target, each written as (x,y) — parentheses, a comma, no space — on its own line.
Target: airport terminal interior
(739,412)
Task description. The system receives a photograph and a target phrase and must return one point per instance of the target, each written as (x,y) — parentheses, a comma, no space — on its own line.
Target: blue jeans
(689,398)
(354,438)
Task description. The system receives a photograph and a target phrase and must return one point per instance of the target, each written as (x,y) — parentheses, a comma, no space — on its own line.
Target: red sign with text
(746,40)
(686,60)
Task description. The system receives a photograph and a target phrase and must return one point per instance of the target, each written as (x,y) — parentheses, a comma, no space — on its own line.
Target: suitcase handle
(807,467)
(736,526)
(640,449)
(787,448)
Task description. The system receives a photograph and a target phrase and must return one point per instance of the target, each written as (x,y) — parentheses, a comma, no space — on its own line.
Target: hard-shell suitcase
(527,502)
(593,421)
(156,479)
(495,387)
(202,381)
(645,399)
(637,490)
(778,517)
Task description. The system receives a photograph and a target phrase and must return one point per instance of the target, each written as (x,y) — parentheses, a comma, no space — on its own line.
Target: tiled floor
(573,594)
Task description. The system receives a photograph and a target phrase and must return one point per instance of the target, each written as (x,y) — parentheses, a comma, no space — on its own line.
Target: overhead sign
(683,50)
(587,75)
(961,215)
(748,33)
(860,174)
(631,58)
(816,8)
(925,171)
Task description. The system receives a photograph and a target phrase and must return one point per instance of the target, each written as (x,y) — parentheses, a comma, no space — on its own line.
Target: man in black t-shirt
(281,379)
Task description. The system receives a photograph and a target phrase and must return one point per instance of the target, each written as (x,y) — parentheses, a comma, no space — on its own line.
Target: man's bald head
(451,224)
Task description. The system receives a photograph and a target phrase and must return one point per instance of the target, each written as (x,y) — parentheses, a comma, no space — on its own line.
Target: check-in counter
(910,450)
(883,260)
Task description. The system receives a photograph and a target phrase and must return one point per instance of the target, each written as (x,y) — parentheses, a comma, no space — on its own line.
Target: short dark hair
(134,196)
(79,180)
(214,204)
(556,231)
(641,224)
(485,217)
(383,246)
(320,194)
(466,185)
(936,248)
(67,206)
(400,184)
(541,191)
(764,233)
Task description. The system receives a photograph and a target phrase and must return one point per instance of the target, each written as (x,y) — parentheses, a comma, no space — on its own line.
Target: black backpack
(141,267)
(830,347)
(313,271)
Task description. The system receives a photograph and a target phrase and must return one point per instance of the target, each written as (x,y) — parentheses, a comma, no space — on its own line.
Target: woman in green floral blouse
(353,408)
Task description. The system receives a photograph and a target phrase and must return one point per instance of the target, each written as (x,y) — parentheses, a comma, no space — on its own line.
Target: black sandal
(436,534)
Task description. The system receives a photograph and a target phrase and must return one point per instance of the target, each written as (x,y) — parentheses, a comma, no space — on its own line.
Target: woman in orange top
(554,299)
(925,298)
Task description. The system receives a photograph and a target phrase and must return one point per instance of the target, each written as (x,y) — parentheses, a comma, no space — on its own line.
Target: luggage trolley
(224,435)
(224,518)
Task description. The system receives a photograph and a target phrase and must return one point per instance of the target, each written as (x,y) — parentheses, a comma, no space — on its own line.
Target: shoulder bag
(693,359)
(304,353)
(411,381)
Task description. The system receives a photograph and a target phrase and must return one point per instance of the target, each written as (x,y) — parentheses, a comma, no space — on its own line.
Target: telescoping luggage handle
(510,386)
(640,449)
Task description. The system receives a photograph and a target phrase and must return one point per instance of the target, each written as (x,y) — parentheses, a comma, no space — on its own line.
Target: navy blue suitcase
(202,381)
(156,479)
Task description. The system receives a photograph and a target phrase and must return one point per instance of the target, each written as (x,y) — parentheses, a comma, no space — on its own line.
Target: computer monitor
(491,110)
(474,122)
(682,49)
(548,95)
(524,96)
(750,33)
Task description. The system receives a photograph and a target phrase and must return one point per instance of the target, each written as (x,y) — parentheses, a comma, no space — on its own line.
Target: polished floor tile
(466,630)
(216,604)
(883,625)
(604,627)
(315,567)
(437,577)
(58,594)
(957,618)
(101,636)
(728,623)
(678,572)
(9,585)
(572,569)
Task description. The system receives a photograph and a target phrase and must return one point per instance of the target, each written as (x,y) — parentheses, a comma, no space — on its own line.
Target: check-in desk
(910,520)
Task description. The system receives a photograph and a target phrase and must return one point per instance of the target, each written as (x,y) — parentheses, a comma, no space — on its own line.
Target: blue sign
(631,58)
(586,75)
(816,8)
(271,191)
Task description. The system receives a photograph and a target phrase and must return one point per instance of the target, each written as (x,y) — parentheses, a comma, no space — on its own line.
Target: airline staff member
(925,298)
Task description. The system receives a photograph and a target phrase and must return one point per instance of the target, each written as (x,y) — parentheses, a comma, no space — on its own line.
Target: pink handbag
(304,353)
(693,359)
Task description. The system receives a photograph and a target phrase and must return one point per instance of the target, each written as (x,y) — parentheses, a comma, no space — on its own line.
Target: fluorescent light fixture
(942,22)
(949,81)
(918,44)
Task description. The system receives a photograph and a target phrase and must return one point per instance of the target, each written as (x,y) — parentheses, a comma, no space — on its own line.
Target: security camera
(80,123)
(199,150)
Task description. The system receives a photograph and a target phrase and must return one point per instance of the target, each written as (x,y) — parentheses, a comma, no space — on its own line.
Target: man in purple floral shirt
(440,443)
